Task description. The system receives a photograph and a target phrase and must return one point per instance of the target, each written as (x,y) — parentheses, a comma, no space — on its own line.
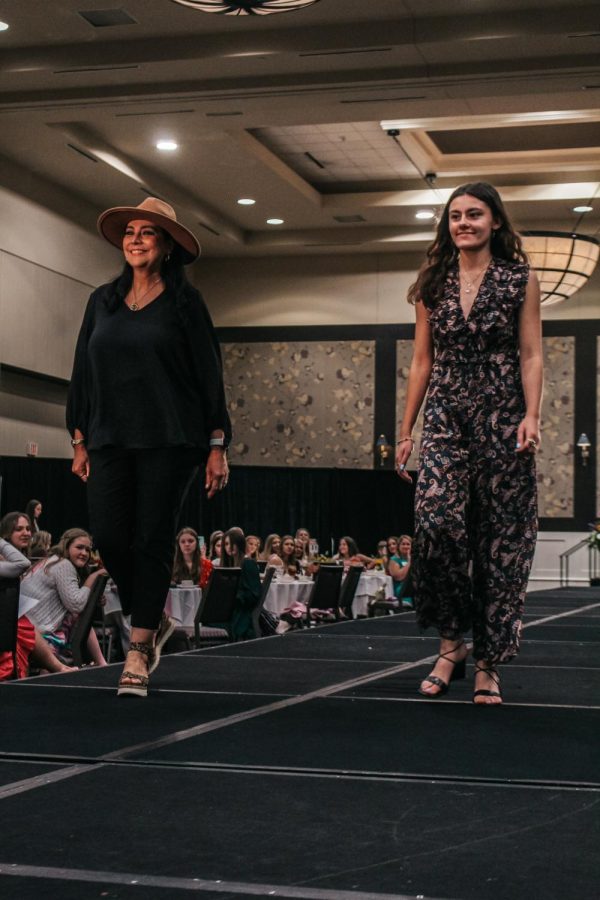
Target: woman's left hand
(528,435)
(217,471)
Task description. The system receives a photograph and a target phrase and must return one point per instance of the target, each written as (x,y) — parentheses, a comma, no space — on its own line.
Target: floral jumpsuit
(475,505)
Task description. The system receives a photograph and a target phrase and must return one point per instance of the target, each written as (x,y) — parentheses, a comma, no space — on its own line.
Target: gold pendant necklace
(470,282)
(137,300)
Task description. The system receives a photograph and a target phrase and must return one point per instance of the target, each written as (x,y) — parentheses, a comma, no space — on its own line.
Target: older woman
(146,408)
(61,587)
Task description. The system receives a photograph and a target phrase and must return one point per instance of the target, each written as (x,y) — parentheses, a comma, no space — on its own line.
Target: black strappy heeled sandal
(493,674)
(458,671)
(138,684)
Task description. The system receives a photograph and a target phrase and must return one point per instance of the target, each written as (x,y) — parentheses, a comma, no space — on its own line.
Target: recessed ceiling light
(246,201)
(167,145)
(582,209)
(425,214)
(274,221)
(3,26)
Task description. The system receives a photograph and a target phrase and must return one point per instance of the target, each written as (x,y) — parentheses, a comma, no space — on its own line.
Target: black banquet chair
(325,593)
(9,614)
(84,622)
(264,590)
(217,606)
(348,590)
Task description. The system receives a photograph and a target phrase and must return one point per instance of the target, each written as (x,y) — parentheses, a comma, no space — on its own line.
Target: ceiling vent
(314,160)
(106,18)
(348,220)
(82,153)
(208,228)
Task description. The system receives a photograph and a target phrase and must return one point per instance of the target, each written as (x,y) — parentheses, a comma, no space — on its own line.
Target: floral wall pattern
(555,461)
(301,403)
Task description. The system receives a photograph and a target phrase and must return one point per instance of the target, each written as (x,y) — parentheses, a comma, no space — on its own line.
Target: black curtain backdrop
(367,505)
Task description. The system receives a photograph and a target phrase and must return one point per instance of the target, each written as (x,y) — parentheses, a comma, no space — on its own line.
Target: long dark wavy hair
(442,254)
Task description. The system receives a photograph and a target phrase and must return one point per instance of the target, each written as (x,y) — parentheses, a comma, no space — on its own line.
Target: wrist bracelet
(217,442)
(402,440)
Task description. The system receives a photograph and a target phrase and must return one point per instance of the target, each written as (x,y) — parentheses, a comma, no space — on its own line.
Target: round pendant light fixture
(562,261)
(246,7)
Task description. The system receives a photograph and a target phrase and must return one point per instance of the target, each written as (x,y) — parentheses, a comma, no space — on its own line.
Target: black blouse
(151,378)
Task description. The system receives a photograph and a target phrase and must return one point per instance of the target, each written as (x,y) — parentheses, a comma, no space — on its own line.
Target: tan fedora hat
(113,222)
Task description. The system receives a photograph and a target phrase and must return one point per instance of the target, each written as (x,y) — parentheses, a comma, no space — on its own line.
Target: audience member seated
(39,548)
(399,567)
(34,510)
(15,535)
(272,547)
(349,555)
(190,559)
(303,540)
(248,595)
(61,587)
(287,559)
(215,545)
(252,546)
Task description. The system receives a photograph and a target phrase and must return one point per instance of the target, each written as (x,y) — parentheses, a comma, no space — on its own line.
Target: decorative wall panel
(555,460)
(301,403)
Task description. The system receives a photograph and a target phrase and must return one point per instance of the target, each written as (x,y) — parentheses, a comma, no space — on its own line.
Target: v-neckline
(467,318)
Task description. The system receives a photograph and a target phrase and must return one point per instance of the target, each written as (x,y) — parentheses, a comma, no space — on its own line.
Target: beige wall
(48,266)
(332,290)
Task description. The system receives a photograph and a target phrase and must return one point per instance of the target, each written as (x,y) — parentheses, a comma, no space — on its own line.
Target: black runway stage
(307,766)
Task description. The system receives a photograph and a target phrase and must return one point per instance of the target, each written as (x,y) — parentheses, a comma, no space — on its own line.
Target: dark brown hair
(442,254)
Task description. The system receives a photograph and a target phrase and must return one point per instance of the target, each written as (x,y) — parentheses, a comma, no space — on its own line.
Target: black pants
(134,499)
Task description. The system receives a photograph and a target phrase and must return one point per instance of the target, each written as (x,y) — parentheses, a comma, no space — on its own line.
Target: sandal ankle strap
(140,647)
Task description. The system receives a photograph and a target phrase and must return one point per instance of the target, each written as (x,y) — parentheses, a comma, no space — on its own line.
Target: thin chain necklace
(470,282)
(135,306)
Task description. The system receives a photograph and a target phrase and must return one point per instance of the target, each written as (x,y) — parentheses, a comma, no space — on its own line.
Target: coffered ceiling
(288,110)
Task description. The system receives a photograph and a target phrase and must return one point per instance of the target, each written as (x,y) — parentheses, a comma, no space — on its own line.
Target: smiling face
(404,548)
(21,534)
(303,535)
(187,544)
(471,223)
(79,552)
(145,245)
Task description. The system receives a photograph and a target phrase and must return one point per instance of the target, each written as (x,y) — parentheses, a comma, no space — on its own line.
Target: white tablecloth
(181,604)
(368,584)
(284,593)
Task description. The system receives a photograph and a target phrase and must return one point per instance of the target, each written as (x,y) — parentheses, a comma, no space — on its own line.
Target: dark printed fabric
(475,505)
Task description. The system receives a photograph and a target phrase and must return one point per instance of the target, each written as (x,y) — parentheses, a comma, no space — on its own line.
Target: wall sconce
(383,449)
(584,444)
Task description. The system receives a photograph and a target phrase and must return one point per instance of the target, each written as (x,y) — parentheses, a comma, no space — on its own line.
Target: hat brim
(113,222)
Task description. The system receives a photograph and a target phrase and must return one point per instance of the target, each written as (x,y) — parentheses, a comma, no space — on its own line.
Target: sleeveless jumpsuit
(475,503)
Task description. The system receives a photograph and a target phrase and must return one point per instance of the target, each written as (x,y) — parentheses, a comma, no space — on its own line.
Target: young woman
(215,544)
(248,595)
(478,357)
(287,556)
(190,562)
(34,511)
(272,546)
(252,546)
(348,554)
(399,568)
(15,536)
(146,409)
(61,587)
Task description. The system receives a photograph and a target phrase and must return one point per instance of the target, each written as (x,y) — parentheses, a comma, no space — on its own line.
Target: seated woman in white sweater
(61,588)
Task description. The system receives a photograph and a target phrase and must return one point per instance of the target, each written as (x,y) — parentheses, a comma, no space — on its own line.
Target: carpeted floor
(307,766)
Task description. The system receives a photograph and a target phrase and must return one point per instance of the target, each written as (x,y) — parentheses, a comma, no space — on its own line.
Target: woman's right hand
(403,452)
(81,462)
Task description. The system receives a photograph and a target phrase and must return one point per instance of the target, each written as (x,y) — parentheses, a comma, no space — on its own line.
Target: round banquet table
(181,605)
(283,592)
